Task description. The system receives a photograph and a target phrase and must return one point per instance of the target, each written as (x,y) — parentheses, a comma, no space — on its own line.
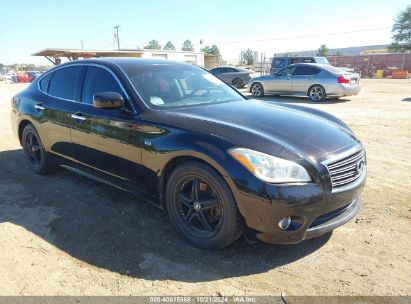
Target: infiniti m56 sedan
(317,81)
(173,134)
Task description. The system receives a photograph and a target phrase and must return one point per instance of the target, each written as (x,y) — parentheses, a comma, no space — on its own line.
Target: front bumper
(313,210)
(333,220)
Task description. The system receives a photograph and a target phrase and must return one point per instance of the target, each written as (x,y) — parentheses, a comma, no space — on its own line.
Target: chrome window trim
(82,65)
(343,155)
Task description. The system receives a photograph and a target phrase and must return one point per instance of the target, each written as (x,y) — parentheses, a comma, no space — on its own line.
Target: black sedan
(173,134)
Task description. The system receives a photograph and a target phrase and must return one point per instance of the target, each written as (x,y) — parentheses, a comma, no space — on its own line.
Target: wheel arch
(195,157)
(237,78)
(22,124)
(316,84)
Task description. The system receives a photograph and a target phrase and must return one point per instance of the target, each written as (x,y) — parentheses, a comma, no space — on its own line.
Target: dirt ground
(63,234)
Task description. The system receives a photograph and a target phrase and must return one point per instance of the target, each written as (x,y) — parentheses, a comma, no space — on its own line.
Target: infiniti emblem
(360,166)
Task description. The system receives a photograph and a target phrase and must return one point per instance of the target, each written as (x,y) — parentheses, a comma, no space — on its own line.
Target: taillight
(342,79)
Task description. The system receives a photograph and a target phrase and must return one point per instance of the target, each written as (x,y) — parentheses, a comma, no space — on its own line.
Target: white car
(10,76)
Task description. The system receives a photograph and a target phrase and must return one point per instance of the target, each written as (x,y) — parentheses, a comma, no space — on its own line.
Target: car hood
(253,123)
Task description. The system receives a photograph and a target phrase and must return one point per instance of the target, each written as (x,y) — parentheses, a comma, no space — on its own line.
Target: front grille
(347,170)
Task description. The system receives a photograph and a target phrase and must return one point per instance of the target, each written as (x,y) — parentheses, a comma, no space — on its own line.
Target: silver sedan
(316,81)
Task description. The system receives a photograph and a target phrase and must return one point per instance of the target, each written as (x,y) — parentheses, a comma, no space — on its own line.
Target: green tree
(323,50)
(248,57)
(153,45)
(187,46)
(169,46)
(213,50)
(338,53)
(402,31)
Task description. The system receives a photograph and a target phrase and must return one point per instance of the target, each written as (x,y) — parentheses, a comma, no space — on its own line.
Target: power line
(305,36)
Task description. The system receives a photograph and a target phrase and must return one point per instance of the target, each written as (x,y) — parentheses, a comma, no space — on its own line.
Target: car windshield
(322,60)
(178,85)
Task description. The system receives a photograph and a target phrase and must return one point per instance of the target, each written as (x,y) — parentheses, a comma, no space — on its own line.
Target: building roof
(86,53)
(75,53)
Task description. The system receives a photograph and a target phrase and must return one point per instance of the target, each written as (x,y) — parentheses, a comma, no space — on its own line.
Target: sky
(268,26)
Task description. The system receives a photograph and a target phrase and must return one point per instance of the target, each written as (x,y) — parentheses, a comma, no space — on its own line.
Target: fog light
(285,223)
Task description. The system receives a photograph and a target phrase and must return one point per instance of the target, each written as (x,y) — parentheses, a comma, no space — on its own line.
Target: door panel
(61,94)
(301,83)
(281,81)
(107,140)
(302,78)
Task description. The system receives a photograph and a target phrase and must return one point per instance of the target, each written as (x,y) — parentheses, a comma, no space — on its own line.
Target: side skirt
(115,182)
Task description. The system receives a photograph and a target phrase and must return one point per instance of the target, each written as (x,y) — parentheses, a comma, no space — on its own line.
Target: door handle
(39,106)
(78,116)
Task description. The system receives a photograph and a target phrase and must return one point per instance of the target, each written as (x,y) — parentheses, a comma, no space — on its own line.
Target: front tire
(257,89)
(202,207)
(36,156)
(317,93)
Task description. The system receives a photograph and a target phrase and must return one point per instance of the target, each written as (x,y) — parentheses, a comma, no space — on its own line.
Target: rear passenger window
(228,70)
(99,80)
(306,70)
(44,82)
(66,82)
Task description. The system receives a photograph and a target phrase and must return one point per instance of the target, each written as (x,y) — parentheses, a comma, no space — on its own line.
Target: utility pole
(116,36)
(82,45)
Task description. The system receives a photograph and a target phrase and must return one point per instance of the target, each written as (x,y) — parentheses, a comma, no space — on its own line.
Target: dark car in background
(174,134)
(33,75)
(279,63)
(238,77)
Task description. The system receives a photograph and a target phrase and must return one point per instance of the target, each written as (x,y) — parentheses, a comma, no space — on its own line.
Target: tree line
(187,46)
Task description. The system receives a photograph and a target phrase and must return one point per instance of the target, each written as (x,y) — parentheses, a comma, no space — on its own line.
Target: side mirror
(108,100)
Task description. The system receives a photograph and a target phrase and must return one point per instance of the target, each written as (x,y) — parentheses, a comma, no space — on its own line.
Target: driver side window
(99,80)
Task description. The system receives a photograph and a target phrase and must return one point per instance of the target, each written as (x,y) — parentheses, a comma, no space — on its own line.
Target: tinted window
(99,80)
(216,71)
(306,70)
(279,63)
(44,82)
(229,70)
(66,82)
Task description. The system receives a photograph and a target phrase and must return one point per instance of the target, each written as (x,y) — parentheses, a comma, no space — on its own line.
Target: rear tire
(36,156)
(317,93)
(202,207)
(238,83)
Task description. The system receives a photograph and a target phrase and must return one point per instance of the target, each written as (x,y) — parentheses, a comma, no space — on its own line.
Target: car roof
(227,66)
(318,65)
(126,61)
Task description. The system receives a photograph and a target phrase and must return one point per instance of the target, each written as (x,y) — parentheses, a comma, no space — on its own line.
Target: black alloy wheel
(201,206)
(36,156)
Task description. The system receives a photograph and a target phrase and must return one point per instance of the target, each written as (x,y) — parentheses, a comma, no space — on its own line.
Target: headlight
(269,168)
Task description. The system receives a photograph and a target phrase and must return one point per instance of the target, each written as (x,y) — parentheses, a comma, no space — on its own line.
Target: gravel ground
(63,234)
